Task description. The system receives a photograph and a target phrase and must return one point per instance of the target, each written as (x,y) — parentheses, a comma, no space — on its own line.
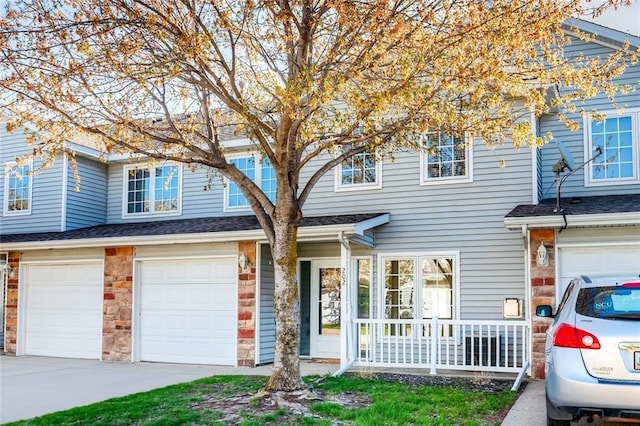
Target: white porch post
(434,345)
(346,310)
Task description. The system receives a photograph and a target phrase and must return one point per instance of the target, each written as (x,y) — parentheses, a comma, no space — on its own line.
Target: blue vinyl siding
(202,192)
(464,216)
(574,186)
(467,217)
(46,193)
(88,206)
(266,346)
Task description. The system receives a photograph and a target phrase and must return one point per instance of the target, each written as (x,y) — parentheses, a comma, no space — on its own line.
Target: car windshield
(609,302)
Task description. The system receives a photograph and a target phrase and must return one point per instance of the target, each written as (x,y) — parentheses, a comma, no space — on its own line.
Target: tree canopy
(168,79)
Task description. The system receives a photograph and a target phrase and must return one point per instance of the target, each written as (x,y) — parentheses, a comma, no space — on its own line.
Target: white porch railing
(495,346)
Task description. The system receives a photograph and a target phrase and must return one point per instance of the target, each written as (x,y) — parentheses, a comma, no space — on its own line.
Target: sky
(626,18)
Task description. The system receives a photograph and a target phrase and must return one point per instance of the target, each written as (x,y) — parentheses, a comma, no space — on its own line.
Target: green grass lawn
(227,400)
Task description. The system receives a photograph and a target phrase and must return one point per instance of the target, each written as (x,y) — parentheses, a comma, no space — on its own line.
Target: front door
(325,308)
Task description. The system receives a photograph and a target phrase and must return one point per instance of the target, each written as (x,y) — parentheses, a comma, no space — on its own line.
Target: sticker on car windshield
(636,357)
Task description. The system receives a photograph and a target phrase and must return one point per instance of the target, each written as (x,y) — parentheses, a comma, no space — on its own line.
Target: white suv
(592,351)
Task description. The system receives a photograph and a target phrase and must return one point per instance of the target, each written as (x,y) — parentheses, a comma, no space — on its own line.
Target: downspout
(348,311)
(535,128)
(527,300)
(63,192)
(256,360)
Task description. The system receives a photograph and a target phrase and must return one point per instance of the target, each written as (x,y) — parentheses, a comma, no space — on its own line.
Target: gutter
(557,221)
(604,36)
(306,233)
(63,193)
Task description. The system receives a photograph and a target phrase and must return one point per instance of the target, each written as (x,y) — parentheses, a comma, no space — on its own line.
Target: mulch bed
(476,384)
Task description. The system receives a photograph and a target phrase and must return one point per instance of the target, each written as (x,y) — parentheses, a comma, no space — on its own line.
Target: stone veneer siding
(247,307)
(117,308)
(543,292)
(11,304)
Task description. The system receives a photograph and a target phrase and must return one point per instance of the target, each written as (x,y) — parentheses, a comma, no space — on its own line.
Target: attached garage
(584,252)
(188,311)
(597,235)
(63,310)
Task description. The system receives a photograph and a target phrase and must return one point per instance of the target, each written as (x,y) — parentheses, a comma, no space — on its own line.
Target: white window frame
(342,187)
(151,212)
(258,180)
(9,166)
(467,178)
(589,181)
(416,257)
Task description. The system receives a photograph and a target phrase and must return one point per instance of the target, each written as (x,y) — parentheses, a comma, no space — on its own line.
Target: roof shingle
(606,204)
(176,226)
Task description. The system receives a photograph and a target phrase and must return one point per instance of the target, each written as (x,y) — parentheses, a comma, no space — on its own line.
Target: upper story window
(152,190)
(362,171)
(617,138)
(17,188)
(259,170)
(449,160)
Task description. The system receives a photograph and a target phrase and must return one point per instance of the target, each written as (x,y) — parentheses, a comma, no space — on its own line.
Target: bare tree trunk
(286,367)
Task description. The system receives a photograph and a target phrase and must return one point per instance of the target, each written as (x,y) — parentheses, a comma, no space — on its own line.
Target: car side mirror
(544,311)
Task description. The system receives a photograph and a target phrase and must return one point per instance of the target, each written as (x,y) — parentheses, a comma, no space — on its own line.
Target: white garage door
(63,307)
(597,260)
(188,311)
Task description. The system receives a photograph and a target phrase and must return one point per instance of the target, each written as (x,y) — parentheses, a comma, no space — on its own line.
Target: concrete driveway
(32,386)
(531,409)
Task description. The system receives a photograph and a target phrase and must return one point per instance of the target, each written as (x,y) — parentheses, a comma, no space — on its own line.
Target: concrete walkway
(32,386)
(531,409)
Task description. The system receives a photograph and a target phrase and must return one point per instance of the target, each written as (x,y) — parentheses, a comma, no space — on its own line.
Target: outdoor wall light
(543,256)
(244,263)
(7,270)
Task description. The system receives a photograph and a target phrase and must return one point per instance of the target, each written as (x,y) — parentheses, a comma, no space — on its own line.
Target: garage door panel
(201,323)
(43,275)
(193,296)
(43,300)
(153,322)
(183,350)
(202,272)
(188,312)
(596,260)
(228,273)
(203,295)
(194,271)
(602,260)
(76,274)
(227,300)
(61,297)
(64,310)
(169,297)
(69,347)
(52,320)
(189,325)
